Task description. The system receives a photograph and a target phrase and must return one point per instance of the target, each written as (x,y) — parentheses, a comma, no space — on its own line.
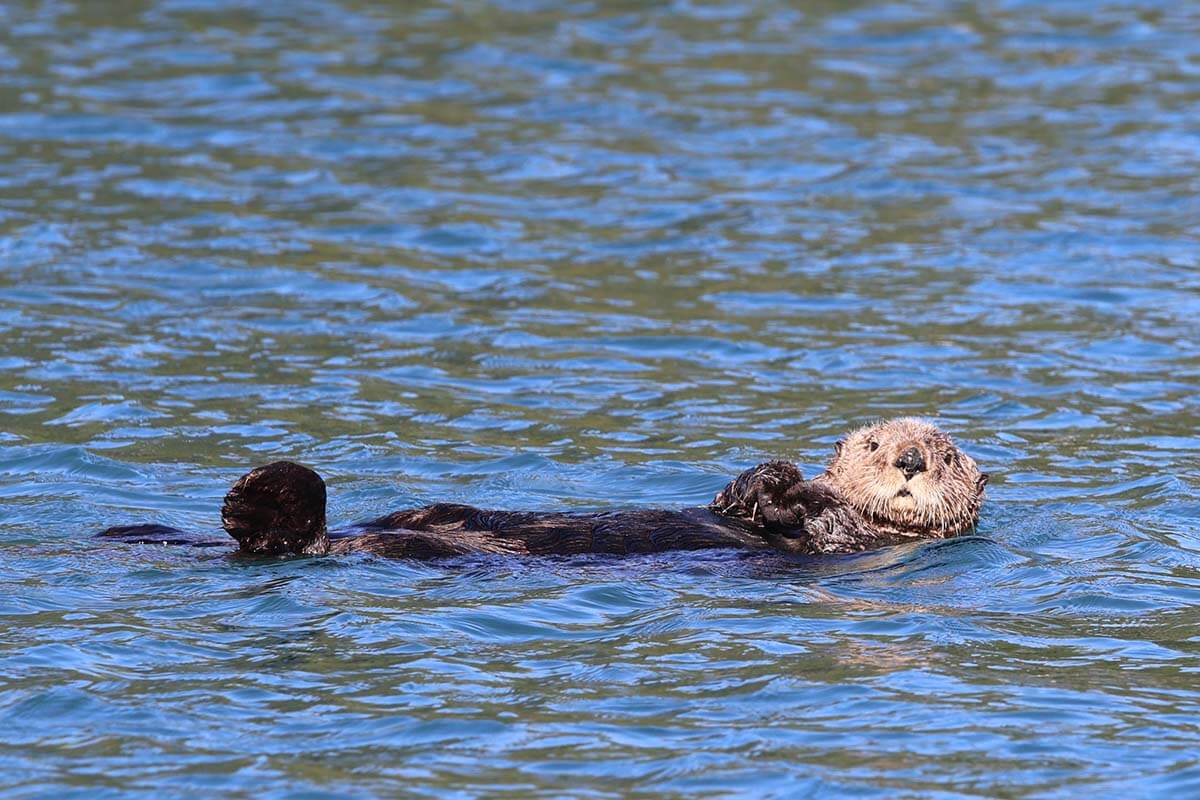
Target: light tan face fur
(943,499)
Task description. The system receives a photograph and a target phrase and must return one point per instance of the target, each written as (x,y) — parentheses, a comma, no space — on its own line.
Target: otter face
(277,509)
(908,476)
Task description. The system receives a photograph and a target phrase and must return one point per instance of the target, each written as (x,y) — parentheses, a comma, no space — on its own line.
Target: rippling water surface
(593,254)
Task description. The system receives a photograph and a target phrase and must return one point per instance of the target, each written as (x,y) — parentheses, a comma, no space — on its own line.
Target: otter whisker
(939,495)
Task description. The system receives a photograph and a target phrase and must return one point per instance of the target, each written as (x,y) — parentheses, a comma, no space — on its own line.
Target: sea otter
(890,482)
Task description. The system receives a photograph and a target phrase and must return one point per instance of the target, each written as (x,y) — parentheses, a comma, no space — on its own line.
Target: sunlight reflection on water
(584,255)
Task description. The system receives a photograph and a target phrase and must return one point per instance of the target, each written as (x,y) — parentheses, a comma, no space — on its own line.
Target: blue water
(590,255)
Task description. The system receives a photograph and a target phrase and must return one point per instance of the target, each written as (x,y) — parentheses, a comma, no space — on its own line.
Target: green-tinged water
(596,254)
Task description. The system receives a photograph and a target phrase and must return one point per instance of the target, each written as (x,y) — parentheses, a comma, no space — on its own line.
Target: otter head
(907,476)
(277,509)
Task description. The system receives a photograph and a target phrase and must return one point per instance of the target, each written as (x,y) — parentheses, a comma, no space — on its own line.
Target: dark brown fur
(445,530)
(863,500)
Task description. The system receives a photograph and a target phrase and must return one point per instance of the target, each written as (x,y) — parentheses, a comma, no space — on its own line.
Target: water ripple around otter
(548,255)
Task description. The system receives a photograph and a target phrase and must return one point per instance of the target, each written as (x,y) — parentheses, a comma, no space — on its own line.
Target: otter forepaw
(776,511)
(758,494)
(788,509)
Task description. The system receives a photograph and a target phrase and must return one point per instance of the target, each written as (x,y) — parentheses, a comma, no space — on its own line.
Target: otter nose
(911,462)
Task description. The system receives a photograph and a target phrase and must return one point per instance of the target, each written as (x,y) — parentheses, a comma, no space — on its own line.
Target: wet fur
(856,504)
(944,500)
(446,530)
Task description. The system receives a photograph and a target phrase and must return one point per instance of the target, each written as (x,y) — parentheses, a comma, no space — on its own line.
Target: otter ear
(837,446)
(981,481)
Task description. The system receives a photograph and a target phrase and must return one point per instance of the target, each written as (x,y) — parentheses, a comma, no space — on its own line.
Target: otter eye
(873,445)
(949,459)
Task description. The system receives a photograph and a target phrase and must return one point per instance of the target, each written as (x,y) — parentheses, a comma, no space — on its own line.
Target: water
(546,255)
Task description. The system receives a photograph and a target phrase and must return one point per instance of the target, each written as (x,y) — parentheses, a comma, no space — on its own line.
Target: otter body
(887,483)
(444,530)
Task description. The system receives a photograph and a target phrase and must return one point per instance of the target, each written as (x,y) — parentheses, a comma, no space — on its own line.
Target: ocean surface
(590,255)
